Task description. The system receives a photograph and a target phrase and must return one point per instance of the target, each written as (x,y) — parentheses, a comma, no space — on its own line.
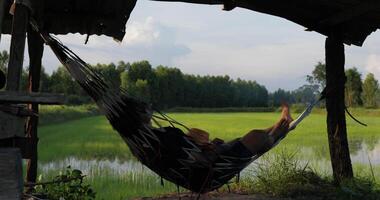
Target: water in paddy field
(361,154)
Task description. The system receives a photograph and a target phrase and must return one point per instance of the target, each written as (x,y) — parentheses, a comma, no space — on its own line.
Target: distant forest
(167,87)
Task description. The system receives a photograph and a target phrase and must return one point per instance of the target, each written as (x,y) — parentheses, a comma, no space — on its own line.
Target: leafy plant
(68,185)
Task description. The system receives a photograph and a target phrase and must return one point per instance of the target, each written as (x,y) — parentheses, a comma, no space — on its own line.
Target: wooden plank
(16,55)
(31,97)
(11,183)
(336,119)
(35,49)
(11,125)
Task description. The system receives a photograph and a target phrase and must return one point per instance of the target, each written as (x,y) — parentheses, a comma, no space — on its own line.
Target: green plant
(69,185)
(358,188)
(282,174)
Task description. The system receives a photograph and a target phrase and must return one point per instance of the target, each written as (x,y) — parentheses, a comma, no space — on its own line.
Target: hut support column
(35,49)
(335,105)
(16,55)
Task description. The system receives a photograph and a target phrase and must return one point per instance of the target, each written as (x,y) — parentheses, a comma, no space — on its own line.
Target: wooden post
(16,55)
(11,184)
(336,119)
(1,16)
(35,49)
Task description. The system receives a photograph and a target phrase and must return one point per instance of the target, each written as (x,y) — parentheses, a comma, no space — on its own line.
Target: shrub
(68,185)
(284,175)
(56,114)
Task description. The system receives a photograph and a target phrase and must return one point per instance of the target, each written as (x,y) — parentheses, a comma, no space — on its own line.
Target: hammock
(182,162)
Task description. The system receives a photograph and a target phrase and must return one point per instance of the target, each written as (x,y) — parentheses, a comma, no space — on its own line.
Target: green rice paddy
(91,145)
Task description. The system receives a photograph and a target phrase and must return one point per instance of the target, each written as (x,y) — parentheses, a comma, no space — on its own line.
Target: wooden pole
(16,55)
(1,16)
(35,49)
(336,119)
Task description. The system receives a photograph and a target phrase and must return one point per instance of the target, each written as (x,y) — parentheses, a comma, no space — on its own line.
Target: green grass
(89,138)
(108,186)
(93,138)
(283,175)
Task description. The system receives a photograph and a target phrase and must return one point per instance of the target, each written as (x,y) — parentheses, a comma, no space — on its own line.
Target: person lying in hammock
(253,143)
(188,159)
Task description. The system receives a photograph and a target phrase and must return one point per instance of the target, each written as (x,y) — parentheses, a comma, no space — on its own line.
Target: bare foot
(286,113)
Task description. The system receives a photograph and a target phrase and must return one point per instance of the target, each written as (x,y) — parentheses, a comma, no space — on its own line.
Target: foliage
(167,87)
(220,110)
(370,89)
(68,185)
(358,188)
(318,76)
(353,87)
(280,96)
(283,174)
(55,114)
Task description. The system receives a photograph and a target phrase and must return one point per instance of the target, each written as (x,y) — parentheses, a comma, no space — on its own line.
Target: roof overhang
(353,20)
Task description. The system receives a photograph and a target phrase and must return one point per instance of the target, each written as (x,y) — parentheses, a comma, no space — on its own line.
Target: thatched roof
(354,19)
(100,17)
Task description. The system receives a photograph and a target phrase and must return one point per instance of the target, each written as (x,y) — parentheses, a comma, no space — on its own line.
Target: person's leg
(260,141)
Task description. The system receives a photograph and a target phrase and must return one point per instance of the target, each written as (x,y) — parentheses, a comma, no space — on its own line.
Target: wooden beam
(31,97)
(35,49)
(16,55)
(11,184)
(335,105)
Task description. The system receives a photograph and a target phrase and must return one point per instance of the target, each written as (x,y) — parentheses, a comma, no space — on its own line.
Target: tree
(370,90)
(305,94)
(280,96)
(141,90)
(353,87)
(318,76)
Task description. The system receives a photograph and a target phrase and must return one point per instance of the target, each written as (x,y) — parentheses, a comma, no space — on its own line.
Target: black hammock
(167,150)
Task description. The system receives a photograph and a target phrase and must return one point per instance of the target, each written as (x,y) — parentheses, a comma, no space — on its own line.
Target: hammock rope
(165,150)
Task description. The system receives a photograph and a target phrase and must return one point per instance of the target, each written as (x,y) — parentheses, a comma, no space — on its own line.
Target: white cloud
(142,32)
(373,64)
(145,39)
(275,65)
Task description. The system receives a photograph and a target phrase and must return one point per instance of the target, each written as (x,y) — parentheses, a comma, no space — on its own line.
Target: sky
(204,40)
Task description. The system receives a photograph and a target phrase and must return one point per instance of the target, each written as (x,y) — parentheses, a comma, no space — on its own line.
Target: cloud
(274,64)
(146,32)
(373,64)
(145,39)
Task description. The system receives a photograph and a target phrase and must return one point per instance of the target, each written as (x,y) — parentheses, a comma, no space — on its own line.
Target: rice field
(91,145)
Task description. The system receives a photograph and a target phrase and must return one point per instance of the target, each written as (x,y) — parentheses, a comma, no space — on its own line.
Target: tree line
(168,87)
(358,92)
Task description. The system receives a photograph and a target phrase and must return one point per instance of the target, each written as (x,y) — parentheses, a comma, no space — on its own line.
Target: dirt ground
(222,196)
